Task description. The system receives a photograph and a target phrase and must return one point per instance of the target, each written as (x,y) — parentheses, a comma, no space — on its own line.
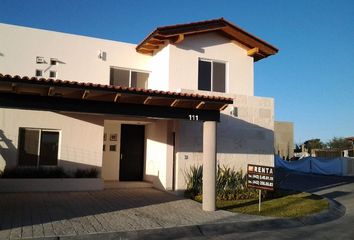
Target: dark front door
(131,152)
(49,148)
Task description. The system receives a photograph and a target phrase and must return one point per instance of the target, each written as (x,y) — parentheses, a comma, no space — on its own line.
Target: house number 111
(193,117)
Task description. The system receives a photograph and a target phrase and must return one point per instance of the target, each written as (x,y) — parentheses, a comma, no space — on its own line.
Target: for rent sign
(260,177)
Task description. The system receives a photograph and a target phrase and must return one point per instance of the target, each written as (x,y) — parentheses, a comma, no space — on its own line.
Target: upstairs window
(128,78)
(211,76)
(38,147)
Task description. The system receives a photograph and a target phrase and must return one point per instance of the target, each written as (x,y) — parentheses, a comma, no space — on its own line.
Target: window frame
(212,73)
(130,73)
(39,146)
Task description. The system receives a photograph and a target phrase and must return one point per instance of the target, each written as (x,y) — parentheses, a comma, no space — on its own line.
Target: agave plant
(194,179)
(230,184)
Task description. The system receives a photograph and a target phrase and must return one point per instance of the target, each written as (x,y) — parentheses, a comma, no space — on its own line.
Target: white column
(209,165)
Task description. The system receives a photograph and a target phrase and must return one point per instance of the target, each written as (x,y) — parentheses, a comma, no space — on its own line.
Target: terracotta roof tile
(65,83)
(170,34)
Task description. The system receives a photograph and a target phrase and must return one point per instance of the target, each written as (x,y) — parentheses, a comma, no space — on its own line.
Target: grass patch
(233,195)
(284,204)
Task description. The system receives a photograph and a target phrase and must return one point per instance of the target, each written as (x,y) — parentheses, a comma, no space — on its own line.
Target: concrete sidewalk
(144,213)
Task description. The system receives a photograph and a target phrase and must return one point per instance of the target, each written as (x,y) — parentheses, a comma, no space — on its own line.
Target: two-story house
(183,96)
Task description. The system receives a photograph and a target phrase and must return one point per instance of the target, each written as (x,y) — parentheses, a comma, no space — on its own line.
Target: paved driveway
(25,215)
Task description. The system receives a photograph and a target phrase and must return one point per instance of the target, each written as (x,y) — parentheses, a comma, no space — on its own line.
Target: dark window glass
(28,147)
(112,148)
(33,152)
(38,73)
(53,61)
(49,148)
(204,75)
(119,77)
(219,79)
(53,74)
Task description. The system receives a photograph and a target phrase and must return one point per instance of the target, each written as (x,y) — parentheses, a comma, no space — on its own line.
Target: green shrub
(48,172)
(86,173)
(28,172)
(230,184)
(194,179)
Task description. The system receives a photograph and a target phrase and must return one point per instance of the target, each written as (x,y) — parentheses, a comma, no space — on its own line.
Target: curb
(335,211)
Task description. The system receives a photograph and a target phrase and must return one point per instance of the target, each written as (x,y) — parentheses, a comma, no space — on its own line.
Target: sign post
(261,178)
(259,200)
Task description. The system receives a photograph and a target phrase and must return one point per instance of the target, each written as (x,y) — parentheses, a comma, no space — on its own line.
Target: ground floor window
(38,147)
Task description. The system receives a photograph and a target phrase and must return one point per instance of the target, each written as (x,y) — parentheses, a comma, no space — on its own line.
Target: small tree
(339,143)
(313,144)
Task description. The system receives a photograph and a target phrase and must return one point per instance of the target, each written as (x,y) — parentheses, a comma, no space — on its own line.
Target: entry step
(118,184)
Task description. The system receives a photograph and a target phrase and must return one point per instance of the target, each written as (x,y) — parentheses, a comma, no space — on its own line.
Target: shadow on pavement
(336,194)
(309,182)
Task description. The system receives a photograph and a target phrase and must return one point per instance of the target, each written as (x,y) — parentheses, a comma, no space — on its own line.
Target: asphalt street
(340,189)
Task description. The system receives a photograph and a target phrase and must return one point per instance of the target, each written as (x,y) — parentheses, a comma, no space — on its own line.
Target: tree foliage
(334,143)
(339,143)
(314,144)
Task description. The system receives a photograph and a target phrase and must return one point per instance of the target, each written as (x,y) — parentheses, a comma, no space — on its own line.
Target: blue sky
(311,78)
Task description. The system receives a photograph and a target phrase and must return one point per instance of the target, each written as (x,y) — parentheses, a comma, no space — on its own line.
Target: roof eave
(173,32)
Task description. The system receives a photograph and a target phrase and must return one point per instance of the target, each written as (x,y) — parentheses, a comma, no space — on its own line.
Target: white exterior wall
(158,162)
(80,139)
(110,161)
(184,58)
(245,139)
(160,69)
(158,151)
(241,140)
(19,47)
(172,68)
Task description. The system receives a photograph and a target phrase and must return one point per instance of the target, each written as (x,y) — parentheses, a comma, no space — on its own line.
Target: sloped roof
(256,47)
(109,93)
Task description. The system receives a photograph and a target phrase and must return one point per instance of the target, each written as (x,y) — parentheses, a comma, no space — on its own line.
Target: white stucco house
(183,96)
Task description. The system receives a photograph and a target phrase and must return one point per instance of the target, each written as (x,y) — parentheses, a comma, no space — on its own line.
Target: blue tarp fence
(325,166)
